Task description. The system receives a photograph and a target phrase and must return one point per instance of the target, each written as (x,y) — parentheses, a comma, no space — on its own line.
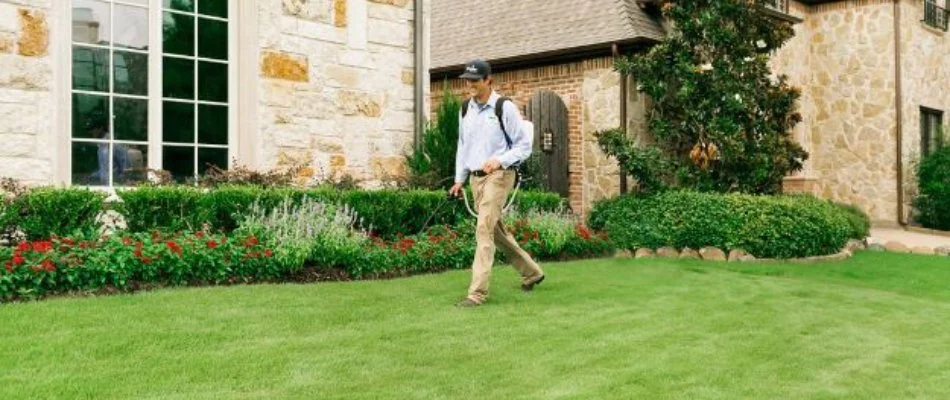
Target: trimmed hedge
(933,177)
(386,212)
(45,212)
(765,226)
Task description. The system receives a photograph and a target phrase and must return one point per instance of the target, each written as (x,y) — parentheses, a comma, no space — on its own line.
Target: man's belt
(480,173)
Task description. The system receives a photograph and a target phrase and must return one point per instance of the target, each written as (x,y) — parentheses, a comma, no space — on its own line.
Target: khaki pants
(490,192)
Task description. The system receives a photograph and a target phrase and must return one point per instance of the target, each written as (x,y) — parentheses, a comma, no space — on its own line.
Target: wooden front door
(549,115)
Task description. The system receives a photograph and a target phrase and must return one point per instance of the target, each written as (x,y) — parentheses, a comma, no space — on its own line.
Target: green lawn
(873,327)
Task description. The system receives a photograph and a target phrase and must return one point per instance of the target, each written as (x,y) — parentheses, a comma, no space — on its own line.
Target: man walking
(491,145)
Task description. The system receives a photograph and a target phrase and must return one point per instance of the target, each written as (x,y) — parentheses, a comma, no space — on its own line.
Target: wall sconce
(547,141)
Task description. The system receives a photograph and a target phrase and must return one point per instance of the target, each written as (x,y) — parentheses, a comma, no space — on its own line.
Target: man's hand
(454,191)
(491,165)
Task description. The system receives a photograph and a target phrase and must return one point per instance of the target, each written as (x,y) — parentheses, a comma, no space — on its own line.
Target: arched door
(549,115)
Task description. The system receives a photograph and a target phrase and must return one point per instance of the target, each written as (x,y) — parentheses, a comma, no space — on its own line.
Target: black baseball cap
(476,69)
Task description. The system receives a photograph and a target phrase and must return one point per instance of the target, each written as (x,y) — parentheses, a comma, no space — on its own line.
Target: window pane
(131,27)
(178,122)
(178,34)
(131,119)
(130,163)
(131,73)
(216,157)
(90,116)
(215,8)
(86,164)
(179,161)
(212,81)
(212,38)
(212,124)
(90,69)
(91,22)
(178,78)
(182,5)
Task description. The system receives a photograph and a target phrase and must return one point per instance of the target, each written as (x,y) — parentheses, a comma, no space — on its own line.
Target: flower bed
(292,241)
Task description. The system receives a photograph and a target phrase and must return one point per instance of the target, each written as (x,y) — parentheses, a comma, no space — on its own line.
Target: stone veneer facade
(591,91)
(843,57)
(26,97)
(333,86)
(337,90)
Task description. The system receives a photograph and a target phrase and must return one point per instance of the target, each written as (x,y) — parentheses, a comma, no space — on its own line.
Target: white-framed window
(152,87)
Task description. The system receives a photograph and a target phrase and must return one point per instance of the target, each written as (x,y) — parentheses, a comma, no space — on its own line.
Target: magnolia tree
(720,119)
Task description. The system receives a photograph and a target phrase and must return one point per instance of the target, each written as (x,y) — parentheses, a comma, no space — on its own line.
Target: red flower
(268,253)
(174,247)
(199,234)
(138,253)
(23,246)
(69,241)
(145,260)
(42,247)
(583,232)
(48,265)
(18,259)
(212,244)
(126,240)
(138,245)
(251,241)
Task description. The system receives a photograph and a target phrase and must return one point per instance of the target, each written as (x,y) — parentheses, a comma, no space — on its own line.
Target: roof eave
(549,57)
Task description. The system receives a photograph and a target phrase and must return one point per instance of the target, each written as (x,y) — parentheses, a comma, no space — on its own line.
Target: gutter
(899,100)
(419,71)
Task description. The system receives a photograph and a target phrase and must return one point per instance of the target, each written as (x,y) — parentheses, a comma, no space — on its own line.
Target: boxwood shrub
(787,226)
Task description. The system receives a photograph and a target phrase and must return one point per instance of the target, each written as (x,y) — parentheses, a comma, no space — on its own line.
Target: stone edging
(714,254)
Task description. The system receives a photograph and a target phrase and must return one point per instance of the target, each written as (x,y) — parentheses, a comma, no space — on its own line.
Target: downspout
(419,70)
(623,117)
(900,112)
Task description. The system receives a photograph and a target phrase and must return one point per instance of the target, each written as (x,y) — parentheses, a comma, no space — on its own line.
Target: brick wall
(567,80)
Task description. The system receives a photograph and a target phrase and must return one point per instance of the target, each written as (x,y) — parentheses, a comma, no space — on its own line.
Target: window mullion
(196,85)
(111,66)
(155,85)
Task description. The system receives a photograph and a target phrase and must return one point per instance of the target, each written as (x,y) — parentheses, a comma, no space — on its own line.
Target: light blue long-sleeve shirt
(481,137)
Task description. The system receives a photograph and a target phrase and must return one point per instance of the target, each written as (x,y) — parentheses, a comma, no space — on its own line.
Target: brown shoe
(527,287)
(468,303)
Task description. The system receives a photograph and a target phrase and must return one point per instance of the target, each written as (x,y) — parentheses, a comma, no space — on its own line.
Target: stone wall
(26,97)
(925,71)
(843,59)
(337,86)
(590,90)
(601,94)
(794,60)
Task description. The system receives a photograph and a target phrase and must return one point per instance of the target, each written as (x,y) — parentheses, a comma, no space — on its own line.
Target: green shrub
(432,165)
(45,212)
(933,177)
(858,220)
(166,208)
(385,212)
(765,226)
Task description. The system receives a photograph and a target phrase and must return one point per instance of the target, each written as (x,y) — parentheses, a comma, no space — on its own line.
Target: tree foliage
(719,116)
